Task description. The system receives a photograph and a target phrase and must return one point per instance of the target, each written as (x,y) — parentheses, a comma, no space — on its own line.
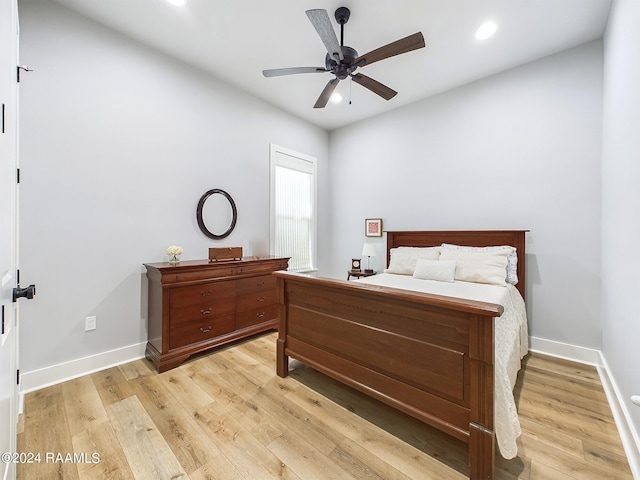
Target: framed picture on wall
(373,227)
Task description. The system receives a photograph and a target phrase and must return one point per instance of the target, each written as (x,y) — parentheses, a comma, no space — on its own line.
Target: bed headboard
(471,238)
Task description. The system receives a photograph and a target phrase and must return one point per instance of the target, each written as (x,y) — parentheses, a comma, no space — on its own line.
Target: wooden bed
(427,355)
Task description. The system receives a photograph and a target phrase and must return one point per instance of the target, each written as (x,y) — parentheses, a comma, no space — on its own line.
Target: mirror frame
(200,208)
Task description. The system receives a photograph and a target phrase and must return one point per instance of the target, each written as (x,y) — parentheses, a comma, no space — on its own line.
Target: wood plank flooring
(227,416)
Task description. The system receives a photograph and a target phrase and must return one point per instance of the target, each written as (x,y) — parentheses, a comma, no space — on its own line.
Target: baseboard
(566,351)
(44,377)
(628,434)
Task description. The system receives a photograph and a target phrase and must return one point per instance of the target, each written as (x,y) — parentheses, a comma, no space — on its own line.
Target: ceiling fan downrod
(342,16)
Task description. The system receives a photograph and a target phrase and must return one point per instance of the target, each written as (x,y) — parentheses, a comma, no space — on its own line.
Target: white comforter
(510,340)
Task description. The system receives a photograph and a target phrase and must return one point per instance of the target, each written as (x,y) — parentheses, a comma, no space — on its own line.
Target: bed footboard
(426,355)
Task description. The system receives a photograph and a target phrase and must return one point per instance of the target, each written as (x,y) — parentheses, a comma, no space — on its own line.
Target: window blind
(293,210)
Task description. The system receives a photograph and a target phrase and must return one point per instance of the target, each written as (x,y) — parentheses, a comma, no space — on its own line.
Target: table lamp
(369,250)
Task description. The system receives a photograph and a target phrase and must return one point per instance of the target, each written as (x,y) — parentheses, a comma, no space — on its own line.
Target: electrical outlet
(89,323)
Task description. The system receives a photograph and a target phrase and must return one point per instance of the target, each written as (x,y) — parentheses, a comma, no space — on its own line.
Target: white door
(8,232)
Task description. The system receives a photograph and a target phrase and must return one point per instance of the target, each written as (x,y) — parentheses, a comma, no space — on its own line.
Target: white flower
(174,250)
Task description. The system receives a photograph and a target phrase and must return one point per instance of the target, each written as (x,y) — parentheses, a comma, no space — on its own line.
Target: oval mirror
(216,212)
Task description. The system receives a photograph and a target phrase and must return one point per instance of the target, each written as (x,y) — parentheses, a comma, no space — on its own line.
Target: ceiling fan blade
(404,45)
(326,93)
(375,86)
(320,20)
(277,72)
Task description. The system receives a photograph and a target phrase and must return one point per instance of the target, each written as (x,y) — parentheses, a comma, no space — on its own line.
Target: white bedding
(510,340)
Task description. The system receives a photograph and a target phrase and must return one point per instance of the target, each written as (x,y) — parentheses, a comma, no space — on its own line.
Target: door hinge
(3,108)
(18,175)
(17,276)
(2,319)
(22,67)
(18,377)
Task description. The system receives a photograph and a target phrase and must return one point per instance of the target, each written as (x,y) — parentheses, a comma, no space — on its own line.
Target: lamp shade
(369,250)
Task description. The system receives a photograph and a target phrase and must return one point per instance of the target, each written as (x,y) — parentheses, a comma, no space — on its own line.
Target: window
(293,208)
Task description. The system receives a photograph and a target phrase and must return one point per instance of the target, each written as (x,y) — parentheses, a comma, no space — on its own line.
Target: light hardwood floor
(227,416)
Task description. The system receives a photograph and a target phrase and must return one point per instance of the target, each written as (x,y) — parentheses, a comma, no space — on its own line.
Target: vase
(174,259)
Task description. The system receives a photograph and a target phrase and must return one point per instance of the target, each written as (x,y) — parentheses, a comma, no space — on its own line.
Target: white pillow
(512,259)
(441,270)
(478,266)
(403,259)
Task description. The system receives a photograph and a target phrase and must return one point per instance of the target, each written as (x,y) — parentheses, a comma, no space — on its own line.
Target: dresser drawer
(256,316)
(209,309)
(201,294)
(200,330)
(199,275)
(256,284)
(256,300)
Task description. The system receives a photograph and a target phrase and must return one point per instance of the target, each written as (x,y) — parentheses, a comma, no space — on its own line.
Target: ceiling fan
(342,61)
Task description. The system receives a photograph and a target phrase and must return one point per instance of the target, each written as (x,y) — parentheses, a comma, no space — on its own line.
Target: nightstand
(358,274)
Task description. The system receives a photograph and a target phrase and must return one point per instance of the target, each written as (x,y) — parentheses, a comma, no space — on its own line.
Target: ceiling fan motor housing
(345,67)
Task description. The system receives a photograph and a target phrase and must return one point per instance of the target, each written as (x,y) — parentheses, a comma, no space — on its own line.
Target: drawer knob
(205,294)
(260,299)
(205,312)
(260,314)
(260,284)
(205,330)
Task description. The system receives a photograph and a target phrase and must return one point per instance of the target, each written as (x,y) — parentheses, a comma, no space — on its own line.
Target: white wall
(518,150)
(118,143)
(621,201)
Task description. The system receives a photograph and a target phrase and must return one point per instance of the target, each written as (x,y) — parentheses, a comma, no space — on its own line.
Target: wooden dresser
(195,305)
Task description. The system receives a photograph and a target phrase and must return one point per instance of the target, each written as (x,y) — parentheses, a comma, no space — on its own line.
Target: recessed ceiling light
(336,98)
(179,3)
(486,30)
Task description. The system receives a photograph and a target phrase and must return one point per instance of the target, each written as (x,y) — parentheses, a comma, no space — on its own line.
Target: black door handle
(27,293)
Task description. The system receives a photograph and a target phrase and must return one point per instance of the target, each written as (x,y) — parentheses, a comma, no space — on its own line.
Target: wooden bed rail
(450,303)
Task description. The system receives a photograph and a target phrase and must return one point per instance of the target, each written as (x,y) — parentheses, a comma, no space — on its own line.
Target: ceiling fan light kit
(342,61)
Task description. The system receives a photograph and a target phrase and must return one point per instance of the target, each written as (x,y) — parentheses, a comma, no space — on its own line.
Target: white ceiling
(236,39)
